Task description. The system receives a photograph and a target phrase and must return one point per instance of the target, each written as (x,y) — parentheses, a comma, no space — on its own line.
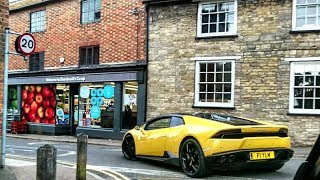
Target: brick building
(4,19)
(258,59)
(87,73)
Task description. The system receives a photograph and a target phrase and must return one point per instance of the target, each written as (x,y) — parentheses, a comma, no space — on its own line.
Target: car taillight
(223,133)
(283,131)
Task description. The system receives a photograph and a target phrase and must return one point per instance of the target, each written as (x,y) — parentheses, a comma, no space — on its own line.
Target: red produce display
(39,103)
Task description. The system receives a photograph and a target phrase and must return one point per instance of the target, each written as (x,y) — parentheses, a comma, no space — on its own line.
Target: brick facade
(120,33)
(261,74)
(4,17)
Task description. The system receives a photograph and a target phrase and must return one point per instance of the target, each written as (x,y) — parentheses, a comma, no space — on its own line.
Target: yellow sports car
(197,142)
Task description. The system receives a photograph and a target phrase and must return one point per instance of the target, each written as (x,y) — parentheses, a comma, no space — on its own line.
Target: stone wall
(262,75)
(4,18)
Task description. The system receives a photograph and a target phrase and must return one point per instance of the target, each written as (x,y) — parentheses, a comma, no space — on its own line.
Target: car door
(154,137)
(174,136)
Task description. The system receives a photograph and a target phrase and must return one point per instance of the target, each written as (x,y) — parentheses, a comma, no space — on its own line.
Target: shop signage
(95,112)
(65,79)
(84,91)
(108,91)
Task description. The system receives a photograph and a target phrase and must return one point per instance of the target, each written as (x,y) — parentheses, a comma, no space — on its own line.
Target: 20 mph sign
(26,44)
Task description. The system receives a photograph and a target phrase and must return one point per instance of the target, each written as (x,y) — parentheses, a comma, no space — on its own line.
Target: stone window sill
(217,37)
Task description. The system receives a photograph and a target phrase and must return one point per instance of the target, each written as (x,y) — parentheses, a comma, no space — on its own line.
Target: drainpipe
(147,57)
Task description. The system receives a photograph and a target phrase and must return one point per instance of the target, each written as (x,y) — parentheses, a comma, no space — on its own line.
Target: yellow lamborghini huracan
(201,142)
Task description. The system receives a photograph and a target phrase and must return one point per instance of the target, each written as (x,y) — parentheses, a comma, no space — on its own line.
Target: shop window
(90,11)
(39,103)
(89,56)
(38,21)
(96,105)
(63,101)
(36,61)
(129,109)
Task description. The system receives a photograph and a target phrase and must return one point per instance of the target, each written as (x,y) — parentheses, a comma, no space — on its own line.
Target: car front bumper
(239,160)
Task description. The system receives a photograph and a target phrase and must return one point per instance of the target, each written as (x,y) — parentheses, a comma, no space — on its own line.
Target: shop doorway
(74,108)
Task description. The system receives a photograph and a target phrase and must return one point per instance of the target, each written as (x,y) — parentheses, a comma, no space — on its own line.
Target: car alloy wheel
(128,148)
(192,158)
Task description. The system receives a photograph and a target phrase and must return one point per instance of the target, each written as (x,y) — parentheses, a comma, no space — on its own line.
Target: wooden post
(46,162)
(82,140)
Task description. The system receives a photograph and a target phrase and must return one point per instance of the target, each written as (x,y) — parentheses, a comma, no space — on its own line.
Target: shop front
(102,105)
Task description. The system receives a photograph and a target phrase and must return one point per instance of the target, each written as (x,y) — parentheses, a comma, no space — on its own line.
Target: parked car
(196,142)
(310,169)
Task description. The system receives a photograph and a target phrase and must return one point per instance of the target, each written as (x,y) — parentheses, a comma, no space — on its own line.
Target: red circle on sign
(26,44)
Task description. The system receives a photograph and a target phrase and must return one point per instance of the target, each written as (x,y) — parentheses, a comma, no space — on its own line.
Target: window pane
(203,87)
(213,8)
(311,1)
(227,87)
(222,17)
(298,80)
(205,18)
(317,92)
(219,67)
(205,28)
(311,20)
(309,92)
(219,77)
(231,6)
(203,77)
(312,10)
(298,103)
(210,97)
(202,97)
(97,5)
(300,22)
(205,8)
(210,67)
(210,88)
(308,104)
(229,27)
(298,92)
(222,27)
(203,67)
(317,105)
(230,17)
(227,66)
(210,77)
(226,98)
(213,28)
(309,81)
(218,87)
(213,18)
(84,6)
(227,77)
(301,11)
(301,1)
(218,97)
(221,6)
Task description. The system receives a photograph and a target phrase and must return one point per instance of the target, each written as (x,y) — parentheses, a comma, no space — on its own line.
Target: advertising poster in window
(39,103)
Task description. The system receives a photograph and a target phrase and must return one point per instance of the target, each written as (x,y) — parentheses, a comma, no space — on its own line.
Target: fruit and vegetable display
(39,103)
(13,101)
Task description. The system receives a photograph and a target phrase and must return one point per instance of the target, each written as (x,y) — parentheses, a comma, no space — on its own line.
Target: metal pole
(5,97)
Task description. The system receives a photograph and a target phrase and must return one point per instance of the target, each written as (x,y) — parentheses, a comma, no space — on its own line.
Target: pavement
(13,170)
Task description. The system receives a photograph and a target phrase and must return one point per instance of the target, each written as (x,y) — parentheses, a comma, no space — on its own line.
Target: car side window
(159,124)
(176,121)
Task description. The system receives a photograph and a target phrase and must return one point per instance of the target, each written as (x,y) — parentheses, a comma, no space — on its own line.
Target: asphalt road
(111,158)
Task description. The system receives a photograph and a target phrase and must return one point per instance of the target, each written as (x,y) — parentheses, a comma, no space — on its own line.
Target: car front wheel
(128,148)
(192,158)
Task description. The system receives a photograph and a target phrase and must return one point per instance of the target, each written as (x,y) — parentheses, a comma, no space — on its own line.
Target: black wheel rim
(128,148)
(190,156)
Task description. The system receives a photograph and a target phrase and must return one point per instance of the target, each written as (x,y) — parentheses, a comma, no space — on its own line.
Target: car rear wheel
(192,158)
(128,148)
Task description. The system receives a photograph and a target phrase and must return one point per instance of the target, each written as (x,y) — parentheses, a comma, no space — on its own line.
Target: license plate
(262,155)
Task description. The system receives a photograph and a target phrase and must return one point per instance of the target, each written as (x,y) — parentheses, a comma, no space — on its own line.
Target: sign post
(26,46)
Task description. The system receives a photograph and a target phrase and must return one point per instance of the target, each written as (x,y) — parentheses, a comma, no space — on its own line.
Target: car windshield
(227,119)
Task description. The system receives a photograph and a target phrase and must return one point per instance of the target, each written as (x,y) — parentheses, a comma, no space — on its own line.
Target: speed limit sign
(26,44)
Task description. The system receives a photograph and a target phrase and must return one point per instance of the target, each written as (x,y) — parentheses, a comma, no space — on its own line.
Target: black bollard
(46,162)
(82,140)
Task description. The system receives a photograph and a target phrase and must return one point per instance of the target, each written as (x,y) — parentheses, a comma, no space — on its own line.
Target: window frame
(294,19)
(94,11)
(299,61)
(92,55)
(41,61)
(199,60)
(214,34)
(44,23)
